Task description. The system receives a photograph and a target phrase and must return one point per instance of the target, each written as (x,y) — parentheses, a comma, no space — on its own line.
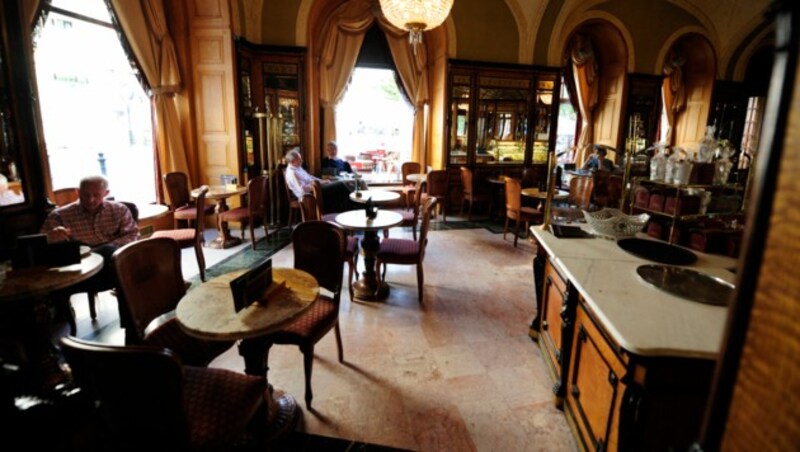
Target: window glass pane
(91,8)
(374,125)
(96,116)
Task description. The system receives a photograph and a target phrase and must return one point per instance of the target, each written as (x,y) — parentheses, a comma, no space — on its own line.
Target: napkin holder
(251,286)
(34,251)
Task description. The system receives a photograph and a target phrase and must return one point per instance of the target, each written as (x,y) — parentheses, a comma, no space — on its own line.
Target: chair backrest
(513,194)
(149,281)
(529,177)
(409,168)
(466,180)
(309,209)
(200,204)
(580,191)
(64,196)
(316,190)
(319,250)
(258,196)
(437,183)
(289,195)
(427,213)
(140,390)
(177,184)
(134,210)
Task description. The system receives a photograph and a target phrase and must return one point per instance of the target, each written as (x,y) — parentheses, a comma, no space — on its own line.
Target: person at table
(598,160)
(332,163)
(336,195)
(8,196)
(93,221)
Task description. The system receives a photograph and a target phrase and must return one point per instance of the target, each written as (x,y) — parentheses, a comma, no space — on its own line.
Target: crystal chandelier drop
(416,16)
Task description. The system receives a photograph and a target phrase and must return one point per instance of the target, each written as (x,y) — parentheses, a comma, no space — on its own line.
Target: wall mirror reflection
(502,125)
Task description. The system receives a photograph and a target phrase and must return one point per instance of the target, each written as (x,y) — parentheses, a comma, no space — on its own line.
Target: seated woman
(598,160)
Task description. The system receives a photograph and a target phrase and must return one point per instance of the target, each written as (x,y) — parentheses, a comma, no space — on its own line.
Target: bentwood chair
(180,200)
(191,236)
(147,399)
(255,210)
(409,187)
(408,252)
(319,250)
(580,198)
(150,285)
(311,212)
(436,187)
(292,202)
(515,210)
(64,196)
(468,190)
(316,190)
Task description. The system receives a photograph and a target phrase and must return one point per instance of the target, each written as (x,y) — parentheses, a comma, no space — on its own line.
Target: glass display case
(500,115)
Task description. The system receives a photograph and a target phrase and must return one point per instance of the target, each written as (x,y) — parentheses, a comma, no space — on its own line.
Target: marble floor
(456,372)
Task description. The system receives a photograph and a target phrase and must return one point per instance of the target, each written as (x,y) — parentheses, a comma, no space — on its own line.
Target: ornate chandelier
(416,16)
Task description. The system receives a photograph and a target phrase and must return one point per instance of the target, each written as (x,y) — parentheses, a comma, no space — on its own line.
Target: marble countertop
(640,318)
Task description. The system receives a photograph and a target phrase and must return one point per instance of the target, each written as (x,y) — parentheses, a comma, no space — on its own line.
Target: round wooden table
(208,312)
(25,312)
(416,177)
(535,193)
(221,193)
(369,287)
(378,196)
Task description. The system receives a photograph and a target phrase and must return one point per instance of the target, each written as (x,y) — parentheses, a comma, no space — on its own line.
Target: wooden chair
(255,210)
(180,200)
(316,190)
(319,248)
(191,236)
(147,399)
(311,211)
(409,187)
(580,198)
(64,196)
(150,285)
(515,210)
(468,190)
(408,252)
(436,187)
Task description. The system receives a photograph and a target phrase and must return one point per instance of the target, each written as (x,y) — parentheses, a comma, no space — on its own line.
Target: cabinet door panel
(553,301)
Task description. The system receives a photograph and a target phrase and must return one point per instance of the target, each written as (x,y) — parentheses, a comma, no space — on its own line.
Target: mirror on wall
(459,120)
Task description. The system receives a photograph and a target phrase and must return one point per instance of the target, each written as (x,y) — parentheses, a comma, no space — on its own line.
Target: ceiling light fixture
(416,16)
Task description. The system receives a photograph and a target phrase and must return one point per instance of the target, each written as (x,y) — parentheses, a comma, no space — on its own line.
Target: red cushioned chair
(436,184)
(147,400)
(319,248)
(408,252)
(149,286)
(180,200)
(409,187)
(255,210)
(191,236)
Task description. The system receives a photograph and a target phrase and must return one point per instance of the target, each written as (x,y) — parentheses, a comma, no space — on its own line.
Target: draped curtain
(144,24)
(341,45)
(569,81)
(584,68)
(673,91)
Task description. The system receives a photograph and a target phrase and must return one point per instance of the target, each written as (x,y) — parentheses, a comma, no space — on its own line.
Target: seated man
(336,195)
(93,221)
(333,163)
(598,160)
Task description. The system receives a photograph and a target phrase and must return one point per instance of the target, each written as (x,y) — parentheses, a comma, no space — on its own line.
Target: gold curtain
(145,27)
(342,43)
(584,68)
(673,91)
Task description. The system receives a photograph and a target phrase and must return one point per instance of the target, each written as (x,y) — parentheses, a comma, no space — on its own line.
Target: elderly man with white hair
(336,195)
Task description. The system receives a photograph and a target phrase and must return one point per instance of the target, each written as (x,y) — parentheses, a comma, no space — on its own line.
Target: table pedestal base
(366,291)
(222,242)
(283,415)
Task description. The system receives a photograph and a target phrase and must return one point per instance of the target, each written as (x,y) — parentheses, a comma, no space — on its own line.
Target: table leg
(283,412)
(224,238)
(370,287)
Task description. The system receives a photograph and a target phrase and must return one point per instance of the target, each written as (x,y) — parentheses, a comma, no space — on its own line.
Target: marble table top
(640,318)
(378,196)
(31,282)
(535,193)
(220,191)
(208,312)
(357,220)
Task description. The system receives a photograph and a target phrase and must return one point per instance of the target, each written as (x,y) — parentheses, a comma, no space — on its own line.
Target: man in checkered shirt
(92,220)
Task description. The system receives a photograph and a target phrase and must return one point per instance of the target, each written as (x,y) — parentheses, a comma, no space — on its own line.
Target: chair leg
(92,296)
(65,305)
(505,228)
(251,224)
(516,231)
(420,281)
(350,277)
(201,261)
(308,367)
(414,231)
(339,341)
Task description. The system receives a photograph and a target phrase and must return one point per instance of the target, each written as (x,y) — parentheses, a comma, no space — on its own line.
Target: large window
(374,125)
(96,116)
(567,125)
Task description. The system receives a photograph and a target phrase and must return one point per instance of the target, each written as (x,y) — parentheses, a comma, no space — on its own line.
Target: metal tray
(687,284)
(656,251)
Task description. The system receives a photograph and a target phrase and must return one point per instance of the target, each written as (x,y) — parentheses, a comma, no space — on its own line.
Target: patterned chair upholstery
(147,399)
(180,201)
(255,210)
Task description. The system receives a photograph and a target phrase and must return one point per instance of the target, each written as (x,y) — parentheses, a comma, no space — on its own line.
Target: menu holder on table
(33,251)
(251,286)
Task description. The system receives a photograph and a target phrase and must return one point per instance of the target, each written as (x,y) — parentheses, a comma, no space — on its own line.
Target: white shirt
(298,181)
